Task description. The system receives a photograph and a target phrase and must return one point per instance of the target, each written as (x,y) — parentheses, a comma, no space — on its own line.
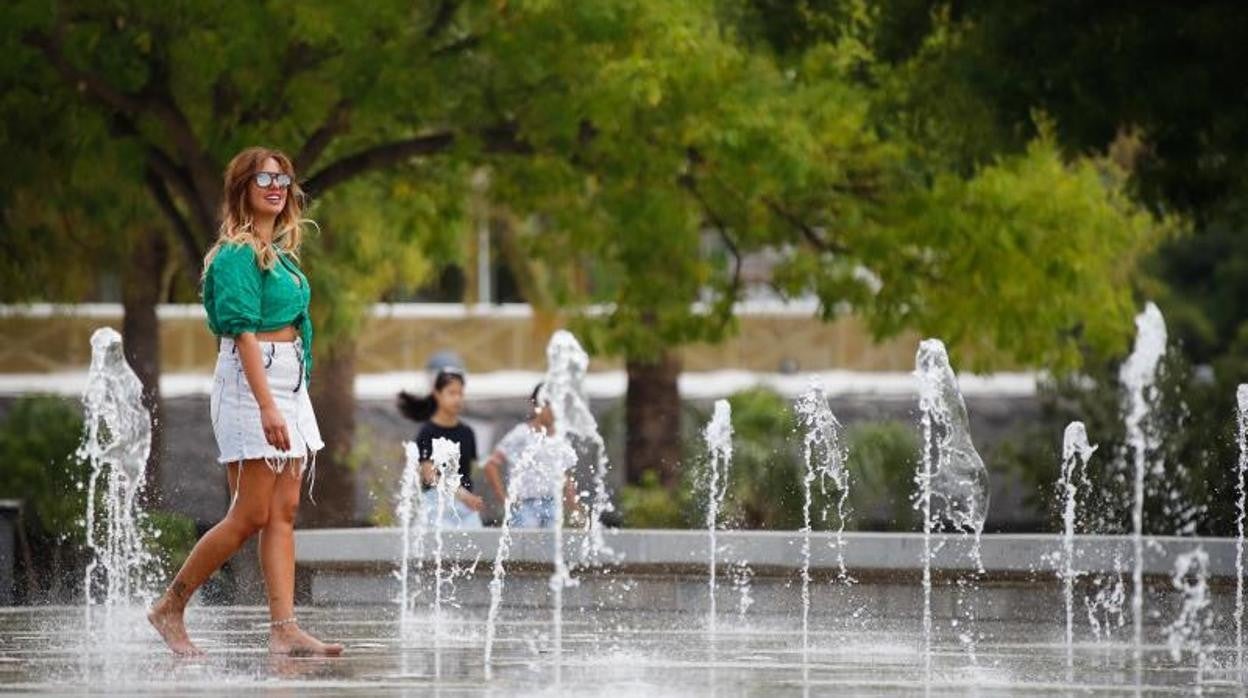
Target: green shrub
(651,505)
(882,458)
(171,537)
(765,482)
(1190,488)
(38,439)
(765,489)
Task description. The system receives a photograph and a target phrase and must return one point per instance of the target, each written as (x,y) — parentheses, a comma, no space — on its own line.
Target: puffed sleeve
(236,280)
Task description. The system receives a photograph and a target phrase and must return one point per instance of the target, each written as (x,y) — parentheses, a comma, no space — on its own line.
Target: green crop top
(241,297)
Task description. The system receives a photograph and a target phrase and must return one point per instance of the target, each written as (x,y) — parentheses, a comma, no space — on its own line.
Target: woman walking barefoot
(257,299)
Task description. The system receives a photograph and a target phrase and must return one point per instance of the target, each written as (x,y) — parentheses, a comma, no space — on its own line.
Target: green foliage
(1032,244)
(651,505)
(766,490)
(171,536)
(639,160)
(882,461)
(120,116)
(68,205)
(1203,279)
(1083,65)
(649,143)
(959,83)
(38,440)
(1190,486)
(765,482)
(377,233)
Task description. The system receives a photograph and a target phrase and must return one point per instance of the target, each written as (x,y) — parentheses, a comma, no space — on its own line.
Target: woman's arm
(271,420)
(494,476)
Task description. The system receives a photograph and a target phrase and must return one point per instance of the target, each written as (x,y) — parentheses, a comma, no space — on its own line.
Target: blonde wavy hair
(236,216)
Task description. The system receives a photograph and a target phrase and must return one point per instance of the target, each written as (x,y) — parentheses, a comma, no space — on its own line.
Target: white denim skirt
(236,414)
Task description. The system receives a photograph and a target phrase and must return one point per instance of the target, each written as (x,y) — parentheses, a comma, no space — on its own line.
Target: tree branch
(172,173)
(498,139)
(809,232)
(376,158)
(442,18)
(85,81)
(181,228)
(721,227)
(155,100)
(298,58)
(159,164)
(337,122)
(463,44)
(204,171)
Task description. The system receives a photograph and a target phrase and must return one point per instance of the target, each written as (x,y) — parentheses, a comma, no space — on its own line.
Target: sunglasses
(264,180)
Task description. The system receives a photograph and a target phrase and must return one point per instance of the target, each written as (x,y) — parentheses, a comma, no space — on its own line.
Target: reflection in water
(646,653)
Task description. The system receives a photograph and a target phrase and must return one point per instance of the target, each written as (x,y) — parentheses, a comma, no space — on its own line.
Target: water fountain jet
(952,482)
(718,436)
(1138,376)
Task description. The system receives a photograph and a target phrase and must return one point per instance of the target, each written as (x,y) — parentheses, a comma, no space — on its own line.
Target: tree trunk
(652,411)
(141,332)
(333,397)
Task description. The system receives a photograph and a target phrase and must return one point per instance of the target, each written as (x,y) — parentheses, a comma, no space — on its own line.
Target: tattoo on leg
(179,591)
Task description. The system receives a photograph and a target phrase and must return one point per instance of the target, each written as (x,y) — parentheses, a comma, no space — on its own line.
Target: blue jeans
(533,512)
(455,514)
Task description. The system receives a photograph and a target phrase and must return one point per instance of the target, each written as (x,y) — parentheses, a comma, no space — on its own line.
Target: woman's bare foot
(166,617)
(291,641)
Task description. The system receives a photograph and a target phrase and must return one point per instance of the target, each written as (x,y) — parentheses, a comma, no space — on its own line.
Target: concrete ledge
(1011,555)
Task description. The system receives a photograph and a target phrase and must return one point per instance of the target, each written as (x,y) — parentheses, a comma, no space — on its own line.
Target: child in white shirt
(538,467)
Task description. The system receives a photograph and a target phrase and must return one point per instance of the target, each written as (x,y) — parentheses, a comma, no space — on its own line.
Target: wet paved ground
(49,651)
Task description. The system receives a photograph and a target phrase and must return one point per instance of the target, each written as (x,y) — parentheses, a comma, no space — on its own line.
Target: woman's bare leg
(277,559)
(249,512)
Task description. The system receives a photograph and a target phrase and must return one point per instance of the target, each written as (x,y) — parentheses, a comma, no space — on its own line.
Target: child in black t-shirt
(440,412)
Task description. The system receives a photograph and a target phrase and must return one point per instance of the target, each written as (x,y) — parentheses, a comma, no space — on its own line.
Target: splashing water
(445,459)
(1138,376)
(117,436)
(742,581)
(1188,631)
(554,472)
(497,581)
(564,388)
(825,457)
(504,550)
(542,466)
(1105,605)
(718,436)
(955,481)
(413,520)
(1075,454)
(952,482)
(1241,398)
